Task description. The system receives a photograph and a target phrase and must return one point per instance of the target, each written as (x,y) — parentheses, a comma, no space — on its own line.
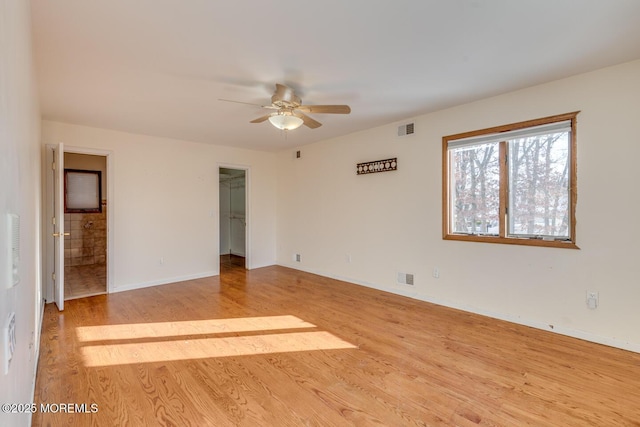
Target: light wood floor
(277,347)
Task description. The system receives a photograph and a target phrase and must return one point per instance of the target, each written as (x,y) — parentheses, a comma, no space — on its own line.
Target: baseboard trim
(36,354)
(574,333)
(165,281)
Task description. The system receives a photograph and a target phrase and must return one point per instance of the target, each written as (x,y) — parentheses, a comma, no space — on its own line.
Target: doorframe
(247,204)
(48,267)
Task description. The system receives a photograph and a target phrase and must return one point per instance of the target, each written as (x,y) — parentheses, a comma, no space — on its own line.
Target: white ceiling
(158,67)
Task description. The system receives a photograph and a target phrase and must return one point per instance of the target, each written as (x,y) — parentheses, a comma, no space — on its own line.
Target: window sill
(512,241)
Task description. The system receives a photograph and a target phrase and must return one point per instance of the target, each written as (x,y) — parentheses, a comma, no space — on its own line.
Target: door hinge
(53,276)
(53,220)
(53,165)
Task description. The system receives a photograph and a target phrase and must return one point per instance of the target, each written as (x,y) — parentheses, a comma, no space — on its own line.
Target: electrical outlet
(436,273)
(13,230)
(32,345)
(592,300)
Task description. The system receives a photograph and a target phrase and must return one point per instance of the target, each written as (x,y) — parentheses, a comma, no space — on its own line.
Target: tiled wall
(87,243)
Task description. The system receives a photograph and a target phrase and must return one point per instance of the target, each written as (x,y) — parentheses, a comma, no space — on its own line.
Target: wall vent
(407,129)
(405,278)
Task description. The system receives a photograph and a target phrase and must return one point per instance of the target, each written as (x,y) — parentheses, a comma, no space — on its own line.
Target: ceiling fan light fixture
(285,120)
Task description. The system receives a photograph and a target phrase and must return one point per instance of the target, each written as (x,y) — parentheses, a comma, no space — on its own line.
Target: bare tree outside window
(477,189)
(539,185)
(512,184)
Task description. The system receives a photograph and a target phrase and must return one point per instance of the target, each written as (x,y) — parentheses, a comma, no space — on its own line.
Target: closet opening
(233,217)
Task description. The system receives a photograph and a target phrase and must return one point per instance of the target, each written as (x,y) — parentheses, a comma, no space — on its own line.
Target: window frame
(502,236)
(94,208)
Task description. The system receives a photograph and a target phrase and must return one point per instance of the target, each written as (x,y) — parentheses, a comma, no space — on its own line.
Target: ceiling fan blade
(260,119)
(308,121)
(271,107)
(330,109)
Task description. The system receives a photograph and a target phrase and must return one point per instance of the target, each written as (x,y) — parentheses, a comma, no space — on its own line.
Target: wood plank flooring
(279,347)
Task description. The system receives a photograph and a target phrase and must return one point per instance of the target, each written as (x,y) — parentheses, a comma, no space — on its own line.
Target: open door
(58,226)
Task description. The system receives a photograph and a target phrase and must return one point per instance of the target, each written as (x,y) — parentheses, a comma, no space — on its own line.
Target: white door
(58,228)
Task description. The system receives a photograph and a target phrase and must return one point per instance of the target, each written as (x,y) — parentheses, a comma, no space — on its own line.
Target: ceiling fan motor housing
(284,97)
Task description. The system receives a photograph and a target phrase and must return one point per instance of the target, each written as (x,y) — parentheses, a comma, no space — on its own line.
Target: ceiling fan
(290,111)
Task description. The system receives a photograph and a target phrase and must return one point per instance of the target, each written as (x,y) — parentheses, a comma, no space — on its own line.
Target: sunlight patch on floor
(165,351)
(190,327)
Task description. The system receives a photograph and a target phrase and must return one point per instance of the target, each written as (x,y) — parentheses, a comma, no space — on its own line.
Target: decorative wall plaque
(377,166)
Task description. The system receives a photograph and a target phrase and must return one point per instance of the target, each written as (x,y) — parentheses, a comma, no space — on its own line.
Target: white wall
(19,194)
(165,200)
(392,222)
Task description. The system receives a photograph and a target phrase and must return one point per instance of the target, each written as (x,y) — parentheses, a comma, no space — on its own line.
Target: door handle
(63,234)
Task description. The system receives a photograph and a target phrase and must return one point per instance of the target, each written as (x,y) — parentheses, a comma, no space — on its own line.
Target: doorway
(85,249)
(233,217)
(56,224)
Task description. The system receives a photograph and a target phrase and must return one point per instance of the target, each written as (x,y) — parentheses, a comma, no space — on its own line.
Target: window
(512,184)
(82,191)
